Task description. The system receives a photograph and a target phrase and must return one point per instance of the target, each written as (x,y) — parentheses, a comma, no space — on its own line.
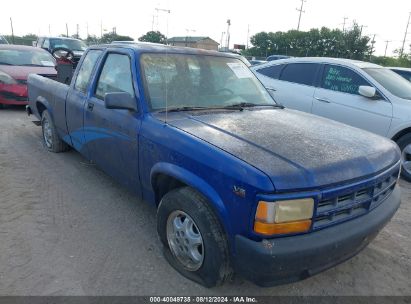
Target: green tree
(110,37)
(153,36)
(316,42)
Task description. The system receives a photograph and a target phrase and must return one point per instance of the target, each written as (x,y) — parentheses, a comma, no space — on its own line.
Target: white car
(356,93)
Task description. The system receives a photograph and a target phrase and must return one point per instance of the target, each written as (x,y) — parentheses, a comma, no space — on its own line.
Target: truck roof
(143,47)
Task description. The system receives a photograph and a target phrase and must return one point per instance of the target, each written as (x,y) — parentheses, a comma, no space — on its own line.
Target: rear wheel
(51,139)
(404,142)
(194,241)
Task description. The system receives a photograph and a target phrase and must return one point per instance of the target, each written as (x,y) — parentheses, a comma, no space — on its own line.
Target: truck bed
(52,93)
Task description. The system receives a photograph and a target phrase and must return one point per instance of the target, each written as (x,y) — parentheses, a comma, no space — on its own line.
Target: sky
(386,19)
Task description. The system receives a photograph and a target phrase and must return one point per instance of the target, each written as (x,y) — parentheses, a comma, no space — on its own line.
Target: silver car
(360,94)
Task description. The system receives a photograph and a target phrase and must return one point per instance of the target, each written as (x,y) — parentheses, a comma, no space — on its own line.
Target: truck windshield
(71,44)
(391,81)
(200,81)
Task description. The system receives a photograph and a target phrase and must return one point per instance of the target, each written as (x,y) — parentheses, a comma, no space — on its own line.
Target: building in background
(205,43)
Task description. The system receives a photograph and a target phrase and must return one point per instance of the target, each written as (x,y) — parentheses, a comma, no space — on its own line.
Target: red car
(16,63)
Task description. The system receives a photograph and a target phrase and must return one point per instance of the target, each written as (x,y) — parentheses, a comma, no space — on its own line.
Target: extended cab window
(341,79)
(116,76)
(86,68)
(272,71)
(302,73)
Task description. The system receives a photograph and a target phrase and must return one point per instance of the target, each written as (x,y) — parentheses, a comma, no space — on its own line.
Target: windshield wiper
(5,63)
(242,105)
(182,109)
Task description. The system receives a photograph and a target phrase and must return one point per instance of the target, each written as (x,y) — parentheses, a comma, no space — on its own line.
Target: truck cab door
(112,134)
(76,99)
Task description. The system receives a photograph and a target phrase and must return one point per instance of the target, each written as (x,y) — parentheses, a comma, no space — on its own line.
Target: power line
(405,35)
(301,11)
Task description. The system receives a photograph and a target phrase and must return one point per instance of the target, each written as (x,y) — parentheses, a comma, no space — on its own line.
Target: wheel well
(40,108)
(164,183)
(400,134)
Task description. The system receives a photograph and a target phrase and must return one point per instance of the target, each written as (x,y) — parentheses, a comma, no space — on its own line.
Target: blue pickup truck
(241,184)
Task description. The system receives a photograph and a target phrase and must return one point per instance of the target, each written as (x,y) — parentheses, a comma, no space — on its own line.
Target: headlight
(282,217)
(6,78)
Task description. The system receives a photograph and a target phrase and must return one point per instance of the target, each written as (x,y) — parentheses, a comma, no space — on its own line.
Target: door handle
(326,100)
(90,106)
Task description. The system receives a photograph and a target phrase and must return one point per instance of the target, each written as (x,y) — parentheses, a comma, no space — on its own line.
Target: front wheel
(405,146)
(51,139)
(194,241)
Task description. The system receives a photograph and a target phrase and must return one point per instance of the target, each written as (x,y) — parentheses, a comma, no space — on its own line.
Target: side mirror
(120,100)
(367,91)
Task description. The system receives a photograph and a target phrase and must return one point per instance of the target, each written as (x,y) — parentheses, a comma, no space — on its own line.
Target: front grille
(345,203)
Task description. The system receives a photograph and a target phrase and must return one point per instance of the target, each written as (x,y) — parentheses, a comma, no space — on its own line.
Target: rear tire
(404,142)
(51,139)
(194,241)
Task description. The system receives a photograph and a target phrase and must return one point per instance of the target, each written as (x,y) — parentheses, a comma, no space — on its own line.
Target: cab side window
(301,73)
(115,76)
(341,79)
(86,69)
(272,71)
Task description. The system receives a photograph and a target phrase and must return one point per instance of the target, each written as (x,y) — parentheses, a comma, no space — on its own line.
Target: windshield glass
(71,44)
(200,81)
(391,81)
(31,57)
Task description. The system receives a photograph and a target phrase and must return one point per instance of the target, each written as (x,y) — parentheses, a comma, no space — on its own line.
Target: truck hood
(295,150)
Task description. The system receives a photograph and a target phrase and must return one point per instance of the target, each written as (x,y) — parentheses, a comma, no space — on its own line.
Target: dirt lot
(68,229)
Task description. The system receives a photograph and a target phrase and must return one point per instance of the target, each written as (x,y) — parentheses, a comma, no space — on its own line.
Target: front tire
(194,241)
(404,142)
(51,139)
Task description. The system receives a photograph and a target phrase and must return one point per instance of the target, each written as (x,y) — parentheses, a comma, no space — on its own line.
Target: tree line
(322,42)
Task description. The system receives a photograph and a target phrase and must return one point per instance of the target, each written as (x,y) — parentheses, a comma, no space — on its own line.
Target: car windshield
(200,81)
(71,44)
(31,57)
(391,81)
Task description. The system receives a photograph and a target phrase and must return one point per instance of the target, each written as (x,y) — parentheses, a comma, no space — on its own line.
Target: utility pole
(77,31)
(386,47)
(12,30)
(248,35)
(221,41)
(66,30)
(87,29)
(301,11)
(101,29)
(228,33)
(49,30)
(345,18)
(361,27)
(372,45)
(405,35)
(188,31)
(157,11)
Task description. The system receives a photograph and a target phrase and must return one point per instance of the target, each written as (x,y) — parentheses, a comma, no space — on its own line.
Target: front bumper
(288,259)
(13,94)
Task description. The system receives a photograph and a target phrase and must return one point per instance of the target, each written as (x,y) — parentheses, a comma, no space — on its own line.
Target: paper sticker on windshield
(47,63)
(240,70)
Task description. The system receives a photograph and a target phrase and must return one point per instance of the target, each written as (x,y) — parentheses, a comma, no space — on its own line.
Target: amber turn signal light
(282,228)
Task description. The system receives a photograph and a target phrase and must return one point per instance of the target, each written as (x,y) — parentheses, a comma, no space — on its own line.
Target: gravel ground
(68,229)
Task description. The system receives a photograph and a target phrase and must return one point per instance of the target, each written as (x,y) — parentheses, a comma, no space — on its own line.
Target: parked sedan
(360,94)
(404,72)
(16,63)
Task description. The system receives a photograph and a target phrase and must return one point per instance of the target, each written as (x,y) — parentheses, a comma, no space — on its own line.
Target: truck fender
(196,183)
(41,100)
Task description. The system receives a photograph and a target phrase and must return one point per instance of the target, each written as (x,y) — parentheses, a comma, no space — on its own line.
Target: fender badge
(239,191)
